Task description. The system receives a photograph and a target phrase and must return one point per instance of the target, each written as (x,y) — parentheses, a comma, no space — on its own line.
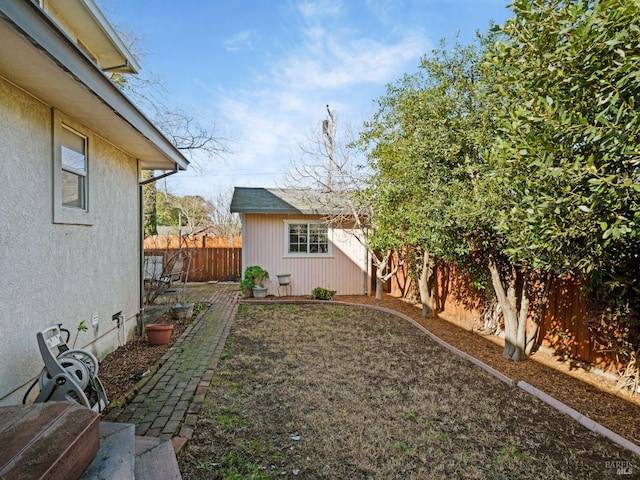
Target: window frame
(65,214)
(307,254)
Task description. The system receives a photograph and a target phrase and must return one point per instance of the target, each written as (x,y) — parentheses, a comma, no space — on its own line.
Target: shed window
(307,239)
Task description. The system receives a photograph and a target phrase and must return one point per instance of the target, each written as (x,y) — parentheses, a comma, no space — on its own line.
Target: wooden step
(156,460)
(115,459)
(125,456)
(54,440)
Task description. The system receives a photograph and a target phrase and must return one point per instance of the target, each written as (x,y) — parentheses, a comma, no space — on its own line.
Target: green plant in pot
(253,281)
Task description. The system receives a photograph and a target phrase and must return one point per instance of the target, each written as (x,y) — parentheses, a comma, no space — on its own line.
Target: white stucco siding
(263,244)
(59,273)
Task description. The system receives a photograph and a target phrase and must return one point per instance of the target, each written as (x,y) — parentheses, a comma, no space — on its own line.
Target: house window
(307,239)
(71,157)
(74,168)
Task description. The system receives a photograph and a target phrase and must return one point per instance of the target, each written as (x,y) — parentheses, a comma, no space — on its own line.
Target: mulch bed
(122,369)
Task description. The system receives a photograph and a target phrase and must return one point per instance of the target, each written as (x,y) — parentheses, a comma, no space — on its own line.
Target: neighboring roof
(281,201)
(37,56)
(95,31)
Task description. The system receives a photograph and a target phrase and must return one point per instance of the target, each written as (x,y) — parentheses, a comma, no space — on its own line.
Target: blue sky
(263,70)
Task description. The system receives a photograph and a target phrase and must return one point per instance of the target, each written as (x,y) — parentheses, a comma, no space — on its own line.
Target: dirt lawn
(336,392)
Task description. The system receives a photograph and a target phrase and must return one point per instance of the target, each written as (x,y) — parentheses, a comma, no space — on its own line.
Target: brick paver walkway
(168,404)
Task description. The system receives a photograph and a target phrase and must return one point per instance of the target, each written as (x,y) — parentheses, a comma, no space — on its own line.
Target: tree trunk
(382,275)
(379,288)
(521,332)
(543,295)
(514,302)
(426,283)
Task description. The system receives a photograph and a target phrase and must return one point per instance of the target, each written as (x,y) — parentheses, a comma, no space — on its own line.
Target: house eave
(97,34)
(36,56)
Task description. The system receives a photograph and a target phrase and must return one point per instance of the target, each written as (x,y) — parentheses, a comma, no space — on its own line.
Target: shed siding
(264,244)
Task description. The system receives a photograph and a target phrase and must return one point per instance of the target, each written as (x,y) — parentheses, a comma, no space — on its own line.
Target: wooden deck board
(54,440)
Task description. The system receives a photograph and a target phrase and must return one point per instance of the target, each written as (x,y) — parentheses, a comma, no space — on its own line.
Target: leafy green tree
(166,212)
(568,155)
(529,160)
(149,201)
(425,146)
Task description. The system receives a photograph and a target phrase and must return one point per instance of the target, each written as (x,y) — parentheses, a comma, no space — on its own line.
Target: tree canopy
(570,131)
(521,150)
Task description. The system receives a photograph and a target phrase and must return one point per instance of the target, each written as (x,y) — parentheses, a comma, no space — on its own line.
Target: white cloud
(331,54)
(332,63)
(240,41)
(327,63)
(311,10)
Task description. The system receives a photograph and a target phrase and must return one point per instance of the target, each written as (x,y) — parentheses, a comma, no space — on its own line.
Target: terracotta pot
(159,333)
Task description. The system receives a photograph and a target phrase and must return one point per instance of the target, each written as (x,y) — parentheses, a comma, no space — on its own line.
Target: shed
(288,231)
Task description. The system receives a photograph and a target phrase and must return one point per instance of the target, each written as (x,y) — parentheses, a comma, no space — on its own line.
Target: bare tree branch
(327,165)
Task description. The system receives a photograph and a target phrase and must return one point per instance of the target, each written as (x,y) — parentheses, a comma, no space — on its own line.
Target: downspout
(141,184)
(365,266)
(140,322)
(166,174)
(242,251)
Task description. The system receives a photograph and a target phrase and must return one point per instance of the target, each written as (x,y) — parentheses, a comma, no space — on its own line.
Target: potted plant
(253,281)
(182,309)
(159,333)
(259,291)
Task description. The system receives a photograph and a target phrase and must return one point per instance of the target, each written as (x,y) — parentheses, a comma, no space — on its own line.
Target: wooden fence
(563,324)
(212,258)
(158,242)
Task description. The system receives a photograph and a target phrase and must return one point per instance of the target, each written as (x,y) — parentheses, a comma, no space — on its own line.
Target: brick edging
(580,418)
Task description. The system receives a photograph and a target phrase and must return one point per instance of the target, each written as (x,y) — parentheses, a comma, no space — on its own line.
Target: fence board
(159,242)
(208,264)
(564,319)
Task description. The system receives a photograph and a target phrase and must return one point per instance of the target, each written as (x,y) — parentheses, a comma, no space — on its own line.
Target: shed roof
(281,201)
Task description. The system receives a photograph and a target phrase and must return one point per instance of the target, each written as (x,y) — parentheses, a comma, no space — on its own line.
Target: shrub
(253,275)
(320,293)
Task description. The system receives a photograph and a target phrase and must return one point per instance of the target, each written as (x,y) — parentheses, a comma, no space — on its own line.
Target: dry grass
(329,391)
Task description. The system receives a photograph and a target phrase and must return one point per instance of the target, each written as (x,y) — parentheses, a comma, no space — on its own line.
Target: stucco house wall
(60,273)
(69,254)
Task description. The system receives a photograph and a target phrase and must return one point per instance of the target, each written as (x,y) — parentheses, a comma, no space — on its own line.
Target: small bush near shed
(320,293)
